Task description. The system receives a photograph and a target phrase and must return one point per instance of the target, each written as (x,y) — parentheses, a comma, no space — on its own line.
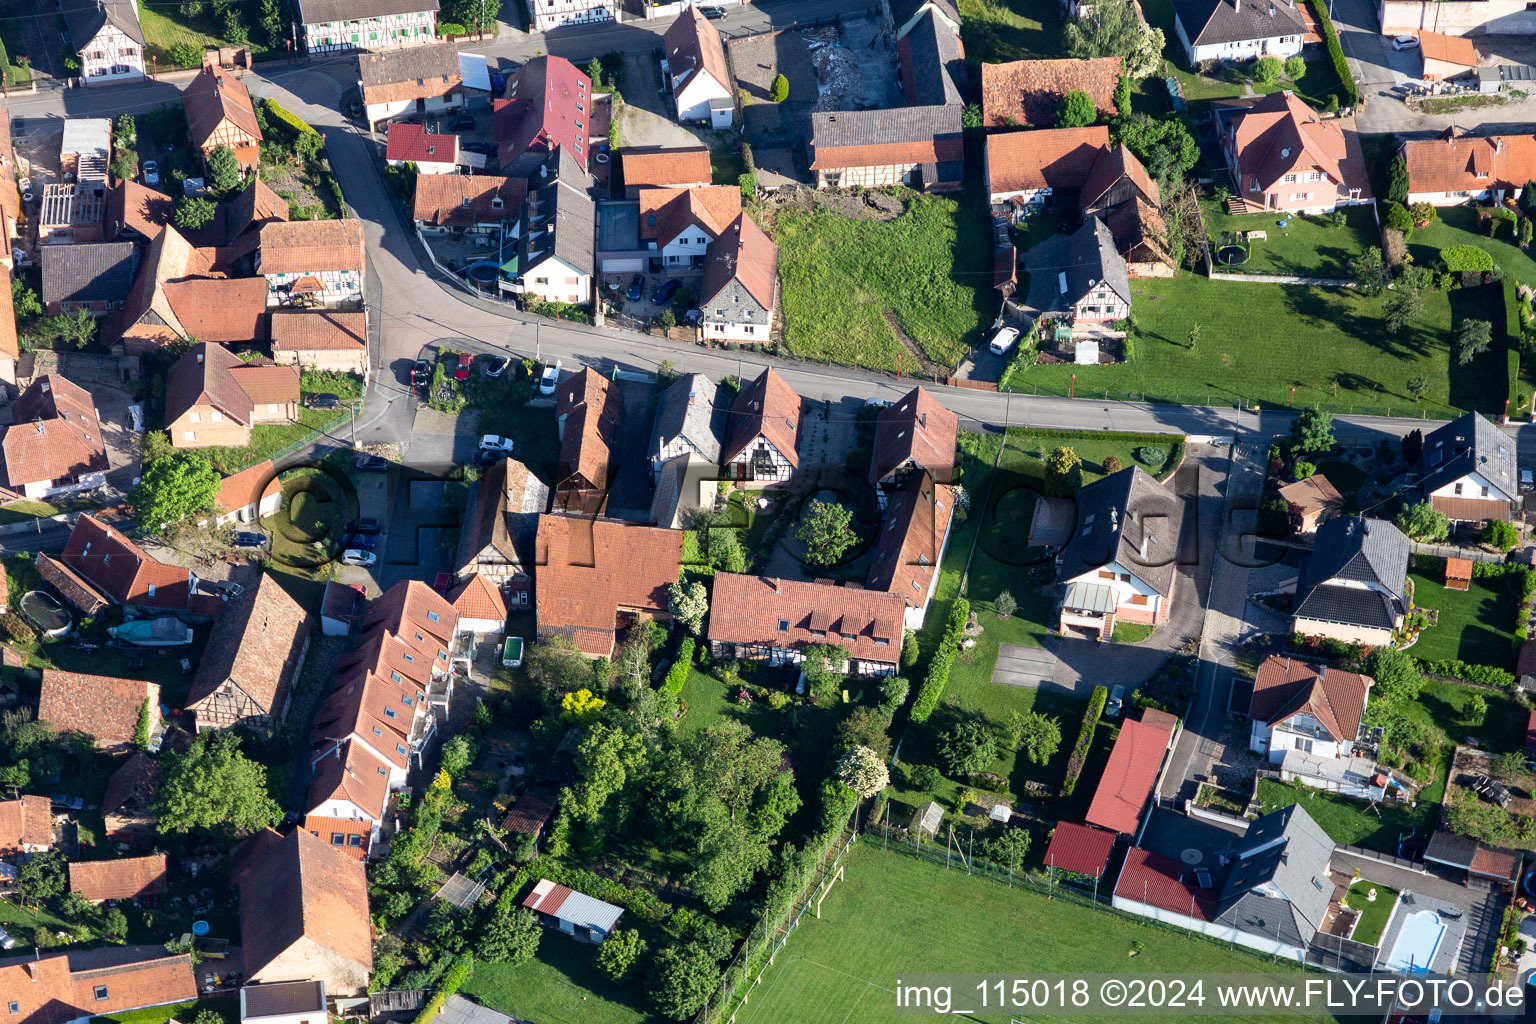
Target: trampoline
(45,613)
(1526,884)
(1231,254)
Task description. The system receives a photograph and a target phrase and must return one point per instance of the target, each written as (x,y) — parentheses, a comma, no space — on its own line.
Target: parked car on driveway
(362,541)
(422,371)
(462,123)
(636,288)
(371,464)
(551,379)
(151,173)
(712,12)
(1116,700)
(663,295)
(465,362)
(1405,43)
(356,556)
(322,401)
(1003,340)
(497,365)
(247,539)
(496,443)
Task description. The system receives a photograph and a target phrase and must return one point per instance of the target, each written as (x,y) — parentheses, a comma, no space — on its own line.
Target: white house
(740,286)
(107,38)
(331,26)
(480,605)
(429,152)
(1354,584)
(250,495)
(678,224)
(1299,705)
(557,240)
(312,262)
(1456,168)
(548,14)
(418,79)
(685,414)
(696,72)
(763,436)
(55,444)
(1468,472)
(1211,30)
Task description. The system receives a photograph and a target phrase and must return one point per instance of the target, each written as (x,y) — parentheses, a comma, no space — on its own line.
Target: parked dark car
(421,371)
(483,148)
(636,288)
(371,464)
(367,524)
(244,539)
(462,123)
(712,13)
(663,295)
(322,401)
(362,540)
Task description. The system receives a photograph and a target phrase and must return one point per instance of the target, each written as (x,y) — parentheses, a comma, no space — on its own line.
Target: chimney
(773,581)
(1498,143)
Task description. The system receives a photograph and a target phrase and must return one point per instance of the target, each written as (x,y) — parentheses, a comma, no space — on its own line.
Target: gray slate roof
(1288,851)
(1144,528)
(1471,444)
(1208,22)
(938,65)
(687,410)
(1360,550)
(85,18)
(560,199)
(1091,257)
(880,127)
(88,271)
(405,63)
(318,12)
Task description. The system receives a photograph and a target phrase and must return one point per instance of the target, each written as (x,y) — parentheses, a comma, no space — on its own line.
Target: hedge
(943,660)
(1460,259)
(1096,703)
(1455,668)
(451,981)
(677,675)
(277,111)
(1351,91)
(1514,331)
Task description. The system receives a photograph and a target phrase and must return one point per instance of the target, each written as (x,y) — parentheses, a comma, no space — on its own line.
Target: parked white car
(357,556)
(1003,340)
(496,443)
(550,380)
(1405,43)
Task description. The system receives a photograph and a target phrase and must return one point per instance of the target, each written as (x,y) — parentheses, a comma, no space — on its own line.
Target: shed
(1086,353)
(1458,573)
(1312,501)
(928,818)
(573,912)
(1079,849)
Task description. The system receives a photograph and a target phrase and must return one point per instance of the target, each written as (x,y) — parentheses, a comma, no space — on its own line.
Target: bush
(1423,214)
(778,92)
(943,660)
(1455,668)
(1295,67)
(1084,742)
(1336,54)
(923,776)
(1398,218)
(17,628)
(748,182)
(1151,456)
(276,111)
(1499,534)
(677,675)
(1266,70)
(1112,465)
(1304,469)
(1461,259)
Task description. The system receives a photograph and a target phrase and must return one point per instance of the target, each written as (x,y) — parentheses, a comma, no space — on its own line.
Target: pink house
(1284,157)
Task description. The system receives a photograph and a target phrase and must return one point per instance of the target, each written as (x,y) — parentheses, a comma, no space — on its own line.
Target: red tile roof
(413,143)
(1079,849)
(125,878)
(478,598)
(311,246)
(1156,881)
(121,569)
(1027,92)
(27,821)
(250,486)
(790,614)
(55,433)
(907,552)
(211,99)
(1450,49)
(1286,686)
(743,252)
(1279,135)
(668,168)
(1050,158)
(590,569)
(666,213)
(532,812)
(316,330)
(351,773)
(327,829)
(1457,162)
(693,46)
(221,309)
(254,649)
(588,406)
(62,987)
(104,707)
(462,200)
(767,406)
(9,345)
(915,431)
(1128,778)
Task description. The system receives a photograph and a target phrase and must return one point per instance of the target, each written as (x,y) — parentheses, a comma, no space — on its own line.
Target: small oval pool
(483,274)
(45,613)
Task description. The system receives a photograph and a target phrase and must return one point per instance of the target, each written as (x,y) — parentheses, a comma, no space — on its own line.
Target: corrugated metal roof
(1079,848)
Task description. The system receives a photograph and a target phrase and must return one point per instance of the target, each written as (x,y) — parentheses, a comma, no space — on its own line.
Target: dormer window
(433,617)
(496,203)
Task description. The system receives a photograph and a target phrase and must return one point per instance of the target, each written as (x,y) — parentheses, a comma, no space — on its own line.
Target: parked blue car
(250,540)
(661,296)
(636,288)
(362,540)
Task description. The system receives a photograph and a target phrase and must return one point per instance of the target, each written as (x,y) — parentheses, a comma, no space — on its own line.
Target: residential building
(1283,157)
(101,566)
(331,26)
(219,113)
(122,878)
(248,496)
(912,542)
(252,662)
(1092,280)
(1468,473)
(54,445)
(172,300)
(1298,705)
(920,147)
(763,433)
(678,224)
(687,167)
(349,798)
(587,407)
(73,986)
(479,605)
(1131,774)
(288,1002)
(283,880)
(312,262)
(1237,30)
(1024,169)
(1027,93)
(1445,57)
(914,436)
(341,607)
(421,79)
(496,539)
(1121,193)
(430,153)
(71,212)
(695,70)
(1312,501)
(1455,168)
(600,576)
(1118,565)
(214,399)
(764,618)
(1354,585)
(904,14)
(685,422)
(26,827)
(557,236)
(127,807)
(932,59)
(532,812)
(106,38)
(86,150)
(551,14)
(547,106)
(740,286)
(459,205)
(321,340)
(685,485)
(93,276)
(106,708)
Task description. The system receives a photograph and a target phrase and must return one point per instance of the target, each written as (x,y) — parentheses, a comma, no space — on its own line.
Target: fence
(1217,398)
(304,442)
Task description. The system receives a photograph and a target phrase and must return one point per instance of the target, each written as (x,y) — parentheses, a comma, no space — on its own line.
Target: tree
(866,726)
(970,116)
(1165,148)
(1413,446)
(193,212)
(824,667)
(1312,431)
(1397,185)
(724,551)
(1267,70)
(1295,67)
(1038,735)
(1007,847)
(1368,269)
(968,746)
(1114,30)
(1004,604)
(595,70)
(1525,233)
(511,936)
(223,169)
(1472,340)
(1477,710)
(826,530)
(582,707)
(727,859)
(893,694)
(1422,214)
(77,329)
(458,755)
(1423,522)
(606,759)
(1397,679)
(1487,823)
(681,979)
(1416,387)
(619,954)
(209,1017)
(269,17)
(557,666)
(125,163)
(863,771)
(125,131)
(1500,534)
(1123,96)
(1076,110)
(1196,329)
(42,877)
(175,489)
(778,92)
(1063,472)
(25,300)
(215,788)
(1406,301)
(688,603)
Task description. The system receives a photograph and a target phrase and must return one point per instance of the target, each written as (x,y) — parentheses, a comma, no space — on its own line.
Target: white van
(1003,340)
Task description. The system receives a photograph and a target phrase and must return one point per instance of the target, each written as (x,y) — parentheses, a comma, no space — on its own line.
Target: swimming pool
(1417,940)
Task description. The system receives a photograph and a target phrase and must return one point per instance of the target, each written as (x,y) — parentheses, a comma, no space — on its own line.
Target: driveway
(1030,668)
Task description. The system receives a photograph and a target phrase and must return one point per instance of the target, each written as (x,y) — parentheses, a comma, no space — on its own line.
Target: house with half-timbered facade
(587,410)
(334,26)
(253,658)
(219,113)
(763,434)
(107,39)
(685,422)
(312,262)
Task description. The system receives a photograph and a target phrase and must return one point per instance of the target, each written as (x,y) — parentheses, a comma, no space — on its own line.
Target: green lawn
(1354,822)
(314,511)
(929,267)
(11,51)
(1346,477)
(1447,706)
(559,986)
(893,913)
(997,31)
(1131,632)
(535,440)
(1306,245)
(1475,626)
(164,27)
(1457,225)
(227,1006)
(1258,341)
(1374,914)
(22,511)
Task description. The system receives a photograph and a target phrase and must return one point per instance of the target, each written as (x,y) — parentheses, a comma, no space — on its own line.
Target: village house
(1025,169)
(1118,564)
(1236,30)
(600,576)
(54,445)
(349,798)
(60,988)
(496,539)
(249,495)
(123,878)
(213,399)
(740,286)
(71,213)
(93,276)
(479,605)
(253,659)
(331,26)
(1445,57)
(1284,157)
(1092,282)
(685,422)
(1298,705)
(106,38)
(557,235)
(127,807)
(677,225)
(1121,797)
(772,620)
(101,566)
(321,340)
(696,72)
(411,145)
(587,407)
(283,936)
(108,709)
(547,106)
(1468,473)
(1121,193)
(312,262)
(911,544)
(1027,93)
(410,80)
(26,827)
(914,436)
(686,167)
(763,433)
(461,205)
(1455,168)
(920,147)
(219,113)
(932,60)
(1312,502)
(1354,585)
(172,300)
(139,214)
(549,14)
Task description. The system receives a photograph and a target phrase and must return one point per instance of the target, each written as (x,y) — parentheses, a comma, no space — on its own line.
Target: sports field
(892,914)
